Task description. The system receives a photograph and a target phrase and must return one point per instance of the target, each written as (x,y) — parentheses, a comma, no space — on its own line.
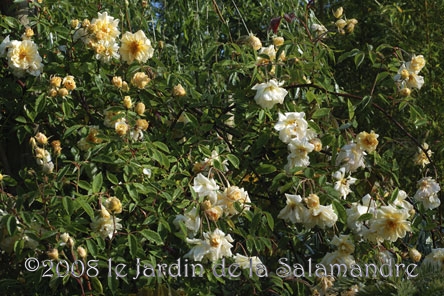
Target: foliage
(113,164)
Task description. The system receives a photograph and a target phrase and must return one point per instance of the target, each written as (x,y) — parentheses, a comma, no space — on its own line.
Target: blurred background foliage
(344,83)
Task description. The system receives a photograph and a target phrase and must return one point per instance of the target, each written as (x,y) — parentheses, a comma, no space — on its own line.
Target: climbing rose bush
(215,148)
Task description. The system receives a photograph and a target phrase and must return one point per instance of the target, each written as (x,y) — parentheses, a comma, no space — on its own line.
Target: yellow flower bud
(29,32)
(140,80)
(415,255)
(352,21)
(254,42)
(86,23)
(405,74)
(82,252)
(160,44)
(125,86)
(179,91)
(56,147)
(206,205)
(312,201)
(52,92)
(69,82)
(317,144)
(340,24)
(350,28)
(127,103)
(142,124)
(278,41)
(74,23)
(214,213)
(62,92)
(117,81)
(53,254)
(405,92)
(113,205)
(32,142)
(338,12)
(140,108)
(417,63)
(1,177)
(55,81)
(41,139)
(121,127)
(104,213)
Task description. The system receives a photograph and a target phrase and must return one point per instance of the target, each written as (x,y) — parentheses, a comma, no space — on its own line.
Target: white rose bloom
(294,211)
(106,51)
(402,202)
(247,262)
(270,52)
(427,193)
(270,93)
(191,219)
(342,184)
(357,210)
(291,125)
(232,195)
(351,157)
(136,47)
(390,224)
(435,259)
(337,257)
(322,216)
(4,45)
(214,246)
(204,186)
(23,57)
(105,224)
(199,251)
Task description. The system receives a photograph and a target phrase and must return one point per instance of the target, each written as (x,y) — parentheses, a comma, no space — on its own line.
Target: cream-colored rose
(117,81)
(82,252)
(136,47)
(338,12)
(179,91)
(69,83)
(140,80)
(127,102)
(113,205)
(41,138)
(254,42)
(62,92)
(140,108)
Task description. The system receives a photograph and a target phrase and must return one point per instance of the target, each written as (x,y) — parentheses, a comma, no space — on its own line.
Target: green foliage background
(199,44)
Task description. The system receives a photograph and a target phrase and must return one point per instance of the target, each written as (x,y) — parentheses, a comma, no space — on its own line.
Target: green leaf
(132,243)
(11,224)
(97,285)
(20,119)
(88,209)
(342,214)
(265,168)
(351,110)
(233,160)
(152,236)
(321,112)
(270,220)
(97,183)
(68,205)
(358,59)
(365,217)
(112,178)
(394,195)
(92,247)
